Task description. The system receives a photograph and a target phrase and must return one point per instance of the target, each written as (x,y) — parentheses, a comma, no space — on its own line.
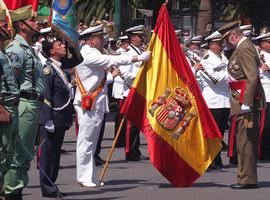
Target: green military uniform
(9,98)
(31,85)
(246,89)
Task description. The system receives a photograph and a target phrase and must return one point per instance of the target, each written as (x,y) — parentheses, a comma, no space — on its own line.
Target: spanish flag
(15,4)
(166,104)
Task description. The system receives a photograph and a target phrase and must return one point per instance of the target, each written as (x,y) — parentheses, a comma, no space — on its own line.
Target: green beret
(22,13)
(2,15)
(227,28)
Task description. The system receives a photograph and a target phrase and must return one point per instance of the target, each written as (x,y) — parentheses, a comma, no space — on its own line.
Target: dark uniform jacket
(56,95)
(244,65)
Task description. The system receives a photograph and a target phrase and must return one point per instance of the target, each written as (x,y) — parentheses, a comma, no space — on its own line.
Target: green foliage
(226,10)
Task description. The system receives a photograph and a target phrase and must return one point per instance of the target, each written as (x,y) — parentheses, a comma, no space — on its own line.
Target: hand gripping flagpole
(111,151)
(40,168)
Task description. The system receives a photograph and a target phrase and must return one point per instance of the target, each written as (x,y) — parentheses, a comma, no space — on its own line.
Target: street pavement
(140,180)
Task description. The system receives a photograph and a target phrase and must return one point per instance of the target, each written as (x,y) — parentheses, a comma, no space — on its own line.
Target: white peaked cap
(177,32)
(95,30)
(111,39)
(265,36)
(215,36)
(136,29)
(196,39)
(45,30)
(204,45)
(245,27)
(124,37)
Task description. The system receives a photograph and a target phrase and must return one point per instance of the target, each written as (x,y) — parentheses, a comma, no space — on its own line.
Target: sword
(123,78)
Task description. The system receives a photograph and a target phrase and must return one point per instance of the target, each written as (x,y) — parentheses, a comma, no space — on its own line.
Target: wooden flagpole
(111,151)
(114,143)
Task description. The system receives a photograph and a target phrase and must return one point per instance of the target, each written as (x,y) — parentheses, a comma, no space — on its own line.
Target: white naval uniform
(118,83)
(195,57)
(215,95)
(131,71)
(91,72)
(265,80)
(265,76)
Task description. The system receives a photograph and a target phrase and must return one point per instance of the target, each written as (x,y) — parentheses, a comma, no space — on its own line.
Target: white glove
(245,108)
(49,126)
(145,56)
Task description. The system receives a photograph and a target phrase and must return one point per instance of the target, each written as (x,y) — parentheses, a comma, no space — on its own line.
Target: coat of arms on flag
(166,104)
(174,111)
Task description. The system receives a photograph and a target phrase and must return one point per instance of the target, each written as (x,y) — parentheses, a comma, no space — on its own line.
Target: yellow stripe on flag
(159,74)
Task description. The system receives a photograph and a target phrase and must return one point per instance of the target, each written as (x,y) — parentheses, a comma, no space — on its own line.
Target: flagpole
(111,151)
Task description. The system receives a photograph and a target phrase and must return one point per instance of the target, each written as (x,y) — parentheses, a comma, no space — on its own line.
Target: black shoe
(142,157)
(54,195)
(98,160)
(243,186)
(13,197)
(131,157)
(214,166)
(233,160)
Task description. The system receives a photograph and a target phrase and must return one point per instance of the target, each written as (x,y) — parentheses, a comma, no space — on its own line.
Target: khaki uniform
(9,97)
(244,66)
(31,83)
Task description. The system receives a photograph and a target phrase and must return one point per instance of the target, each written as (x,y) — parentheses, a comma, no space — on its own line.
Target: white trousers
(89,127)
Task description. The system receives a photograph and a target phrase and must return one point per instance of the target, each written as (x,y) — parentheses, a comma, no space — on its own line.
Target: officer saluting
(9,99)
(29,74)
(247,99)
(91,101)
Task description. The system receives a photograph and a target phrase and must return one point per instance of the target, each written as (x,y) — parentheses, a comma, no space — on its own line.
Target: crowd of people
(231,67)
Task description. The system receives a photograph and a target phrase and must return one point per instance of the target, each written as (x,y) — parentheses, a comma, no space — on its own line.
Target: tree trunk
(205,18)
(126,14)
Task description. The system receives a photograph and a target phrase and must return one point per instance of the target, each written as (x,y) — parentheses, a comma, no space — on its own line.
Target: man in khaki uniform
(9,99)
(247,99)
(29,74)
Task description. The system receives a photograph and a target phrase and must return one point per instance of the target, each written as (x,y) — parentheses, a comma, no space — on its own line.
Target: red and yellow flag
(15,4)
(166,104)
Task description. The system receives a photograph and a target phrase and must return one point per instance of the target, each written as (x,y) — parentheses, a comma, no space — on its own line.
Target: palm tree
(205,17)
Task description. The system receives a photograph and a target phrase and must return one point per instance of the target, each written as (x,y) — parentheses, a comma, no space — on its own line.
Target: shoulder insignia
(206,56)
(46,70)
(12,56)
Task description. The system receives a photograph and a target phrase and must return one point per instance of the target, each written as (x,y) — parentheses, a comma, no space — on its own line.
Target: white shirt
(118,83)
(215,95)
(265,76)
(38,49)
(131,71)
(92,71)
